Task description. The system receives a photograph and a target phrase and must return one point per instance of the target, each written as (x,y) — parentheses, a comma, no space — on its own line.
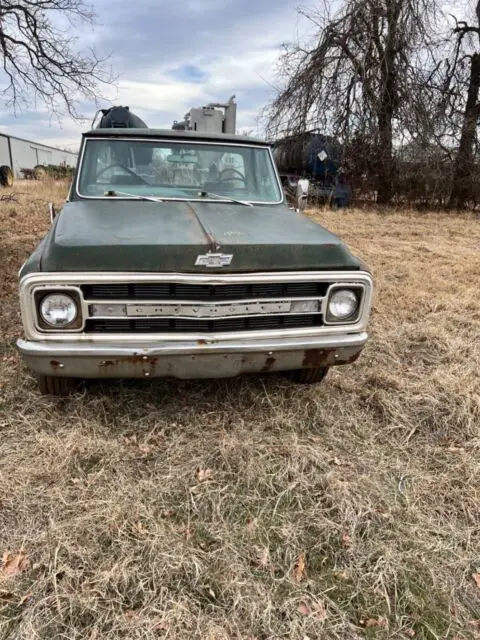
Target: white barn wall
(27,154)
(4,153)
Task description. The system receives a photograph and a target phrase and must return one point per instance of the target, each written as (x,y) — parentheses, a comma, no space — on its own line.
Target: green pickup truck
(176,254)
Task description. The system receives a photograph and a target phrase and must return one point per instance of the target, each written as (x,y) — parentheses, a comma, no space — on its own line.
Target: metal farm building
(18,154)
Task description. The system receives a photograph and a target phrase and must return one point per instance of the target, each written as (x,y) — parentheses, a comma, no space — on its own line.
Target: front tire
(6,176)
(308,376)
(55,386)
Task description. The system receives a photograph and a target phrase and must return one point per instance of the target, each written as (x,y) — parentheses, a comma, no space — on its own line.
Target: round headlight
(58,310)
(343,304)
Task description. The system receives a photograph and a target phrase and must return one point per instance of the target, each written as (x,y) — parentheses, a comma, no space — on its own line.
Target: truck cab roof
(173,134)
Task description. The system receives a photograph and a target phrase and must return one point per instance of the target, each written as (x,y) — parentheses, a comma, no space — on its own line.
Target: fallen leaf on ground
(187,532)
(263,557)
(13,563)
(476,579)
(145,449)
(140,528)
(343,575)
(371,623)
(25,598)
(204,474)
(130,613)
(252,525)
(299,570)
(346,540)
(316,609)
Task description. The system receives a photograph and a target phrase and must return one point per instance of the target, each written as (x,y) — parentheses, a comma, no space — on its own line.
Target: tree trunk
(385,157)
(464,162)
(388,103)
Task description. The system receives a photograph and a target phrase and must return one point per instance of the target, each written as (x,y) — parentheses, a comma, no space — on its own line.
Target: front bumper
(190,359)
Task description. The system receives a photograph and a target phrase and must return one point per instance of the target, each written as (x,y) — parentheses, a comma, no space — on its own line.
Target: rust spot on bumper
(314,358)
(352,358)
(318,358)
(107,363)
(269,362)
(138,359)
(145,361)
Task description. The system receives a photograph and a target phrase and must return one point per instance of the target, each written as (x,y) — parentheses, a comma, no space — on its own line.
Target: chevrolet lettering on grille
(214,260)
(208,310)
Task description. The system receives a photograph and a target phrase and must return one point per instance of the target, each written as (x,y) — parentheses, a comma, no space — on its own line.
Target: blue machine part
(318,158)
(315,147)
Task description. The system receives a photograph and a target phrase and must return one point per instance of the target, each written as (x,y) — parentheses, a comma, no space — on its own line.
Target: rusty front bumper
(190,359)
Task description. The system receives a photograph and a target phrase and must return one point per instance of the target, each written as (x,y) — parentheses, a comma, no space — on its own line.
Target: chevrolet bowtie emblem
(213,260)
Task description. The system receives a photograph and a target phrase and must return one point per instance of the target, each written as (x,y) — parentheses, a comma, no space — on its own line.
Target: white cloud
(162,96)
(204,6)
(249,71)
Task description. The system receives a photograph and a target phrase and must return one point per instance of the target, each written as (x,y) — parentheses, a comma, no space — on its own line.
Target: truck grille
(181,325)
(137,291)
(199,306)
(150,307)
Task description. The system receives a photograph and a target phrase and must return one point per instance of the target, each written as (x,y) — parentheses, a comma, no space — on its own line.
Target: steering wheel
(238,176)
(117,164)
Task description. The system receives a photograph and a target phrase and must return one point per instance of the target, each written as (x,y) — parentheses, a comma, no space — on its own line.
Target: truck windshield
(180,170)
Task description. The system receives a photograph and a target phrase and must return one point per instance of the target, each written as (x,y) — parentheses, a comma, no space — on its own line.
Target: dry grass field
(252,508)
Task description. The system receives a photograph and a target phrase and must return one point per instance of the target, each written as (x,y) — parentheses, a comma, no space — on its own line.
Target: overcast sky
(172,55)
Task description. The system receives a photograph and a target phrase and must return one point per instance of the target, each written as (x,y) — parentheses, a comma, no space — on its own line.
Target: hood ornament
(214,260)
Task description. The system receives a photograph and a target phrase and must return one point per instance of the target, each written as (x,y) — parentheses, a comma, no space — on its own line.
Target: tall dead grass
(251,508)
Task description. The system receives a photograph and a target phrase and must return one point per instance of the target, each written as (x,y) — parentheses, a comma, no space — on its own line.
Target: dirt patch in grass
(252,508)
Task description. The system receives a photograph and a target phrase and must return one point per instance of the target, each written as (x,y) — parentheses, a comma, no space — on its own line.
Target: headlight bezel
(358,290)
(75,294)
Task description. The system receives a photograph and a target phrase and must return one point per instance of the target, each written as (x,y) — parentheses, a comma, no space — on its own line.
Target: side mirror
(52,211)
(302,194)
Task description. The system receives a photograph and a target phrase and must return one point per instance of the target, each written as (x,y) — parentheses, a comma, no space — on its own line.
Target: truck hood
(144,236)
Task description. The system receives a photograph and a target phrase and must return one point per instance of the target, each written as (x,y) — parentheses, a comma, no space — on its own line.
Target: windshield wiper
(132,195)
(205,194)
(209,194)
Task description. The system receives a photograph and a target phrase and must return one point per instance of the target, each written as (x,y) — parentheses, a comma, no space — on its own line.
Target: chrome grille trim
(199,310)
(33,282)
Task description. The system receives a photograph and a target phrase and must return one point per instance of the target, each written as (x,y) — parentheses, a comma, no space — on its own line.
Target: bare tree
(464,171)
(362,79)
(41,60)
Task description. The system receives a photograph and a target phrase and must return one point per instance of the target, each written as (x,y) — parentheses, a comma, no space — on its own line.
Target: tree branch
(40,61)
